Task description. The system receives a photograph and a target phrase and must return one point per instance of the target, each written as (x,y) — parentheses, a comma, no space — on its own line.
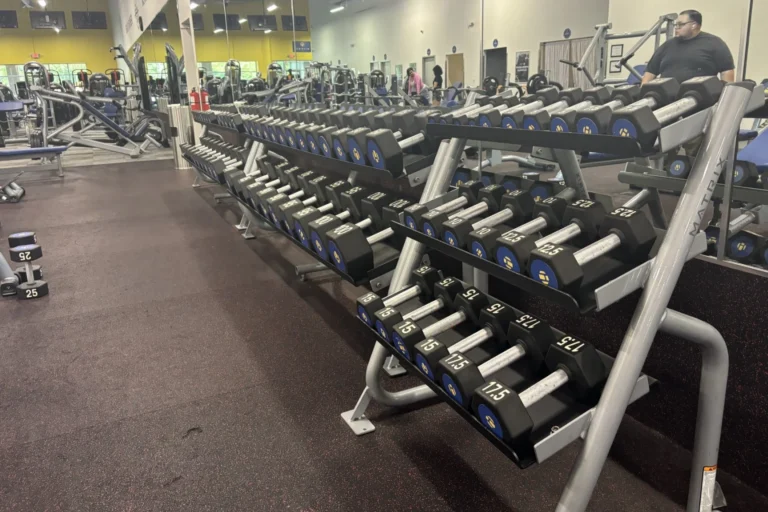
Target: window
(197,21)
(159,23)
(8,19)
(300,23)
(47,19)
(297,68)
(231,22)
(65,71)
(260,23)
(156,70)
(248,69)
(89,20)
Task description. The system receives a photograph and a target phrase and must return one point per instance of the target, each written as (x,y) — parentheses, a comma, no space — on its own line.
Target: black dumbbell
(597,118)
(641,122)
(26,254)
(516,206)
(512,118)
(539,119)
(386,153)
(514,247)
(424,278)
(444,294)
(494,321)
(348,246)
(572,362)
(680,166)
(468,191)
(303,219)
(468,305)
(23,238)
(527,336)
(627,234)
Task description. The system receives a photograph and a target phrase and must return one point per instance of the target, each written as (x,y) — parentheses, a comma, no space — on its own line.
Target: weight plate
(587,127)
(36,290)
(490,421)
(25,253)
(23,238)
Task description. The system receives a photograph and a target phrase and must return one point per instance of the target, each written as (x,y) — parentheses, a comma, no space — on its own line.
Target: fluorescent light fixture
(242,20)
(271,8)
(193,5)
(268,31)
(57,29)
(165,29)
(42,3)
(218,31)
(337,9)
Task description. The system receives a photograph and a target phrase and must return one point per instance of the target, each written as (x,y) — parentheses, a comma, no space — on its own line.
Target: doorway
(427,75)
(496,64)
(454,69)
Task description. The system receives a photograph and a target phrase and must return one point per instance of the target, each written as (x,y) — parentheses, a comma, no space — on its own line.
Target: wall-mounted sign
(495,43)
(302,46)
(429,52)
(453,49)
(567,33)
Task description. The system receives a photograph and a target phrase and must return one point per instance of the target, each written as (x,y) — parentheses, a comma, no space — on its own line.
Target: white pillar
(188,44)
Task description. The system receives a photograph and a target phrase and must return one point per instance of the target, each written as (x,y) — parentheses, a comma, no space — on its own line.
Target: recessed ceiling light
(337,9)
(218,31)
(242,20)
(193,5)
(42,3)
(268,31)
(271,8)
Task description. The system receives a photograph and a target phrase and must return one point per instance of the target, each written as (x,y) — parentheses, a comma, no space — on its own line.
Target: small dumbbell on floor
(25,238)
(26,254)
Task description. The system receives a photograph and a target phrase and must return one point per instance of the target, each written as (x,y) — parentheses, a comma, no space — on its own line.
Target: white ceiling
(319,10)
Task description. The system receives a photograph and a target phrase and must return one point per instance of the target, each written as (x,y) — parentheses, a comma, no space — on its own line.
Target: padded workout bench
(53,152)
(756,151)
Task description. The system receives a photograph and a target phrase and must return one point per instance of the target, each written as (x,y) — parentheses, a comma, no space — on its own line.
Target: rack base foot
(392,367)
(360,426)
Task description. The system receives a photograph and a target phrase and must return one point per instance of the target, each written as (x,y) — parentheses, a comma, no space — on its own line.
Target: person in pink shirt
(415,84)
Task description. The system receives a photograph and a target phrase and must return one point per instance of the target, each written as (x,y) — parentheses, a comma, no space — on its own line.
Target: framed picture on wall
(522,66)
(615,66)
(617,50)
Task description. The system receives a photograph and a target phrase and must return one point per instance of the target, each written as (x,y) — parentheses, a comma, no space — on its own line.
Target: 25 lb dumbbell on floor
(26,254)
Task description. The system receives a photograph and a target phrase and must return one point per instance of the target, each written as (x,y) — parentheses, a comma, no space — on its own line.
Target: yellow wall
(244,45)
(68,46)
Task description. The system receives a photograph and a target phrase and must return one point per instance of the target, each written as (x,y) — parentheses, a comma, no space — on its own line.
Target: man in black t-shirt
(691,53)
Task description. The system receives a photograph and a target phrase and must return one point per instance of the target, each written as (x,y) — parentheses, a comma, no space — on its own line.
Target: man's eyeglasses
(681,25)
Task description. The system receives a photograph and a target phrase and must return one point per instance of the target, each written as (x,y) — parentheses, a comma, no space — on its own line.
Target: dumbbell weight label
(495,308)
(31,294)
(584,204)
(457,361)
(384,313)
(624,212)
(422,270)
(25,256)
(528,321)
(403,329)
(551,249)
(571,344)
(495,391)
(365,300)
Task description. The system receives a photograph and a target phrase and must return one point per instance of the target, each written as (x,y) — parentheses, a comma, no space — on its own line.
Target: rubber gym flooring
(175,366)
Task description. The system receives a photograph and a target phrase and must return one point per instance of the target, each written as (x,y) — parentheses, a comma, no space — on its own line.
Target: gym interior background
(197,338)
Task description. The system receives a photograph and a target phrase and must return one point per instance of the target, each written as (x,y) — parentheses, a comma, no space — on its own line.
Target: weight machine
(664,26)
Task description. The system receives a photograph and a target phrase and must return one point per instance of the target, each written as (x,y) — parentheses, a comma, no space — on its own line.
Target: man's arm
(647,77)
(728,76)
(724,61)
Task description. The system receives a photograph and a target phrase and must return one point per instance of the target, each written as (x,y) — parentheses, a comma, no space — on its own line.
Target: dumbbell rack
(559,419)
(658,278)
(381,251)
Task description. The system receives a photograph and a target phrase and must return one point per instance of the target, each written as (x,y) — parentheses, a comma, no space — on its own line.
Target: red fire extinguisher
(194,97)
(206,104)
